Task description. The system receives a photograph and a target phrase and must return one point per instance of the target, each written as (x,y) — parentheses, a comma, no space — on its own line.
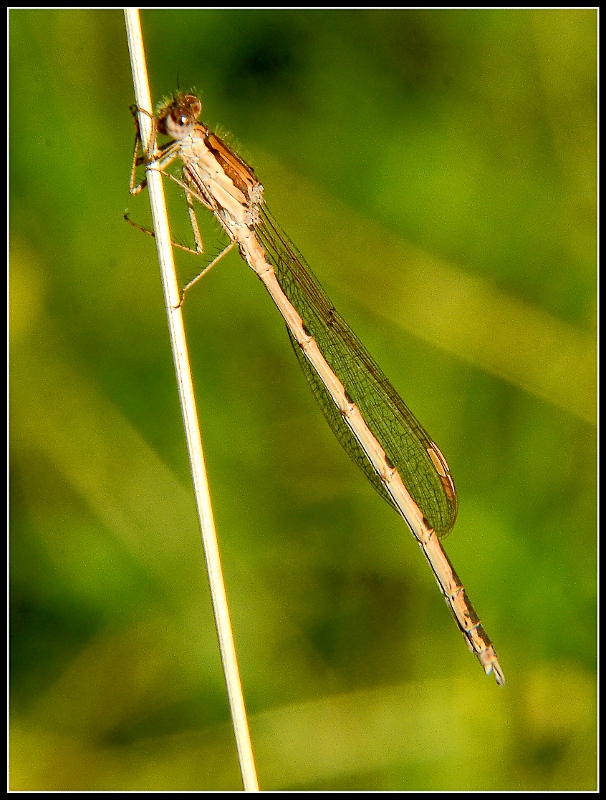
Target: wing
(406,443)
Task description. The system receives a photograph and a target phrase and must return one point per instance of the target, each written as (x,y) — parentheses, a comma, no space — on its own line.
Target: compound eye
(178,126)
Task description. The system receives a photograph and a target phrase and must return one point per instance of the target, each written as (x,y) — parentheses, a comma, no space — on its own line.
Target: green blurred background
(437,169)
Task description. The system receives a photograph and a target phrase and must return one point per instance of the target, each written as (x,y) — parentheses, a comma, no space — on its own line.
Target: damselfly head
(178,117)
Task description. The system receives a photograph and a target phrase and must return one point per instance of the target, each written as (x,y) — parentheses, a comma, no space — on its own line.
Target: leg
(195,252)
(145,157)
(188,286)
(189,195)
(164,157)
(194,222)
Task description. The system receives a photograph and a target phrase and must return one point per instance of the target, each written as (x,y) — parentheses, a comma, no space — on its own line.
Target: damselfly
(365,412)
